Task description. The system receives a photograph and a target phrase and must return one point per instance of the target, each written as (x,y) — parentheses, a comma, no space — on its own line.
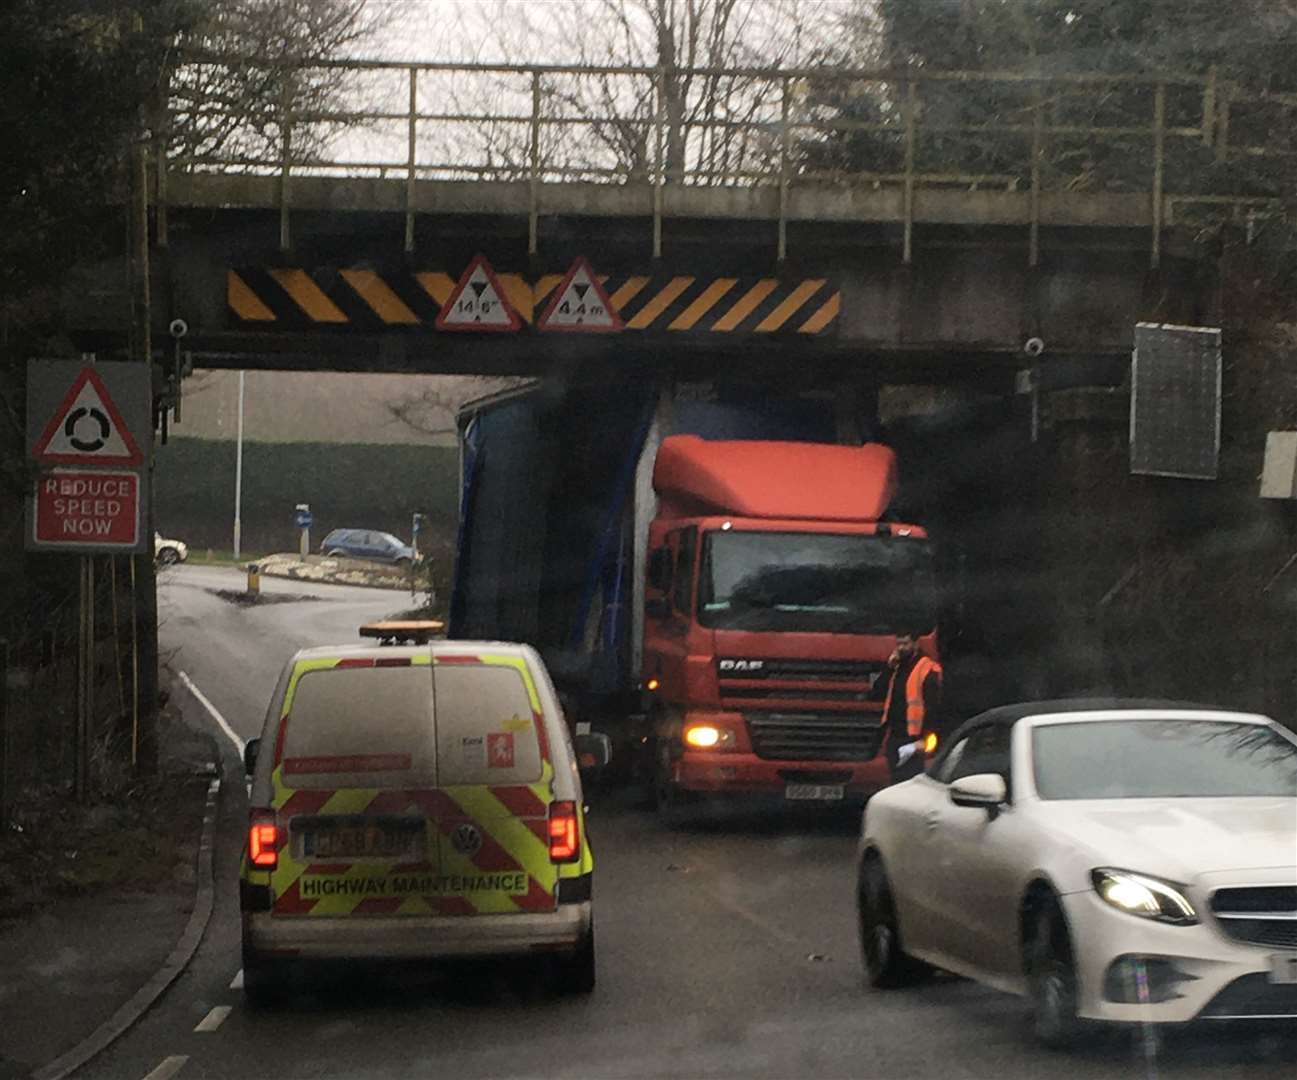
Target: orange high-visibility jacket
(915,711)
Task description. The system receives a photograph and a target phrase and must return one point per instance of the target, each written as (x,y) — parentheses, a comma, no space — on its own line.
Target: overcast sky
(458,30)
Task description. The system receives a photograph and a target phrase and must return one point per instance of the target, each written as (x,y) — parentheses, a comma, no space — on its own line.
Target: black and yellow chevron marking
(367,300)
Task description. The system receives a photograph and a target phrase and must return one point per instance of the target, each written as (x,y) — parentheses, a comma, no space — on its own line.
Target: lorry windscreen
(816,583)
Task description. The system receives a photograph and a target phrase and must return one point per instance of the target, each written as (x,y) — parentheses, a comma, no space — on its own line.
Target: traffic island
(243,598)
(339,571)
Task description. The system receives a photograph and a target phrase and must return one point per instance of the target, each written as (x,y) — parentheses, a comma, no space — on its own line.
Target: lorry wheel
(674,806)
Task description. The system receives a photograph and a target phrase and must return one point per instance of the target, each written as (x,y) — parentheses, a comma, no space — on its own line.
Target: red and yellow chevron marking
(368,300)
(510,871)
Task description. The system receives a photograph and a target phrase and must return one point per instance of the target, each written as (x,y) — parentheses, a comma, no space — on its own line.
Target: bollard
(254,579)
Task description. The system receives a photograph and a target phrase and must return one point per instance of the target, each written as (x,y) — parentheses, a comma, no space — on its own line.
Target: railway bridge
(885,238)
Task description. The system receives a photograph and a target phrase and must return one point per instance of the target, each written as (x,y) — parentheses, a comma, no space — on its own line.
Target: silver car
(1110,861)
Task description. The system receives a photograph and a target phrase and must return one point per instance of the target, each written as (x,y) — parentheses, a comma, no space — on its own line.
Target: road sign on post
(88,427)
(304,519)
(76,507)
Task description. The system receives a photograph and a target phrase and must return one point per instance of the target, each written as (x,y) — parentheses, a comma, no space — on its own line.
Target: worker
(912,707)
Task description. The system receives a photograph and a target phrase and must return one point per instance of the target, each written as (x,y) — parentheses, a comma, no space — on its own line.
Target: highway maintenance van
(416,802)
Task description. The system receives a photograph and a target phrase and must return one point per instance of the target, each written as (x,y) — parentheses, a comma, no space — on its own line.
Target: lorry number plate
(814,791)
(1283,969)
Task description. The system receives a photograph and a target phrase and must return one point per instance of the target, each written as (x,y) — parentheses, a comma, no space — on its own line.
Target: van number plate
(1283,969)
(813,792)
(359,840)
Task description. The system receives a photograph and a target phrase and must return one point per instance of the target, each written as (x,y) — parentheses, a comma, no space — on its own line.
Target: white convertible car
(1118,861)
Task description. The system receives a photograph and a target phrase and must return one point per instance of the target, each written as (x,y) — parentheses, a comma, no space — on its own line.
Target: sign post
(86,426)
(305,519)
(85,679)
(4,734)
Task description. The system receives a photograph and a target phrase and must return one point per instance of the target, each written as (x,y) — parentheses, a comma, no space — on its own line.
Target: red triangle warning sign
(580,304)
(478,303)
(87,428)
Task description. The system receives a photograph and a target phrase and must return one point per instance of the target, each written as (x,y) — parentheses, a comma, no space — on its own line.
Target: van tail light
(564,833)
(263,840)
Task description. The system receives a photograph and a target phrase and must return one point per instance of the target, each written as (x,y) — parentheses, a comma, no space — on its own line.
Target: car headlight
(1147,897)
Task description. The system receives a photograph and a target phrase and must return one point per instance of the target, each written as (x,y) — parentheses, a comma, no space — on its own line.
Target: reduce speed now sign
(76,508)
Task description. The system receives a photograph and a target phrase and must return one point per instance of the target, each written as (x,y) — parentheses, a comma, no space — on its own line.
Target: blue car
(368,544)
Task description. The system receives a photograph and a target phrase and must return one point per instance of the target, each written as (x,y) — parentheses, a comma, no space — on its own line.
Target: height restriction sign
(580,304)
(479,303)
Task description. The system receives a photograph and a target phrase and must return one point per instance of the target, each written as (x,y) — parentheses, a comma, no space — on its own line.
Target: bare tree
(245,70)
(431,409)
(715,119)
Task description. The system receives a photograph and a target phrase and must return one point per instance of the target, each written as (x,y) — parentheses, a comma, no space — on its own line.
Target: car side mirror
(593,752)
(656,607)
(985,790)
(250,756)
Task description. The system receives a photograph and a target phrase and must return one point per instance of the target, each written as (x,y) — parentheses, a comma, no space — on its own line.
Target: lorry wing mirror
(659,569)
(593,752)
(250,755)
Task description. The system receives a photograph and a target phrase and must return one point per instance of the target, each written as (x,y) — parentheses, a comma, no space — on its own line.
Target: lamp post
(238,477)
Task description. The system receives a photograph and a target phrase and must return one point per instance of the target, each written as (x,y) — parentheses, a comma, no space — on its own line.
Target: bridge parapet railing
(1181,140)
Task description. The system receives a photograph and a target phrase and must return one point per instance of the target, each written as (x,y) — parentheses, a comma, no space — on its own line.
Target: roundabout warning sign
(89,428)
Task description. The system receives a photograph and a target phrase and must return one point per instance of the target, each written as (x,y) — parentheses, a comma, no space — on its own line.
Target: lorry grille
(799,693)
(1260,915)
(849,682)
(814,737)
(800,670)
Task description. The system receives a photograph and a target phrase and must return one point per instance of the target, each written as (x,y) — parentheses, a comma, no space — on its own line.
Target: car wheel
(885,962)
(1051,976)
(334,553)
(168,556)
(576,973)
(403,564)
(264,985)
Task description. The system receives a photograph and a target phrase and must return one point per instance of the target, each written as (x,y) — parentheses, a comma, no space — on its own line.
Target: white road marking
(215,713)
(237,982)
(215,1018)
(169,1067)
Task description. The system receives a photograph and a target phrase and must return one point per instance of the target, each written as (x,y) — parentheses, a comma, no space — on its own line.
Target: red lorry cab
(775,588)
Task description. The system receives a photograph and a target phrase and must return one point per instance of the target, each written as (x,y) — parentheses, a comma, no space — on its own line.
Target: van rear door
(494,777)
(354,790)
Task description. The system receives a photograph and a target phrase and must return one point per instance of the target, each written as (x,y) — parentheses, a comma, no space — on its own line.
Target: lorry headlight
(708,737)
(1147,897)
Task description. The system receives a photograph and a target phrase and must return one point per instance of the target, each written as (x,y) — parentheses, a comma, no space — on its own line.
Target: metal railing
(1179,139)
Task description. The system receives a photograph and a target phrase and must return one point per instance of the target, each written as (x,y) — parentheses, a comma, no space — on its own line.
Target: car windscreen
(372,725)
(486,730)
(817,582)
(1161,758)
